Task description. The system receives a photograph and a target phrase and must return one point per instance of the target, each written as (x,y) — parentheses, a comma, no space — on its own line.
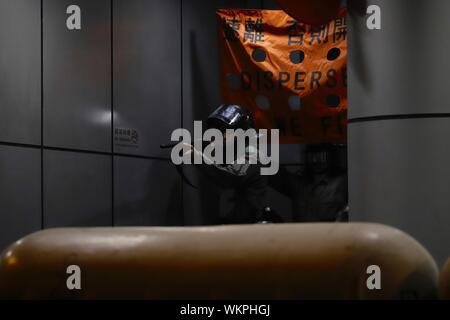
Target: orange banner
(290,75)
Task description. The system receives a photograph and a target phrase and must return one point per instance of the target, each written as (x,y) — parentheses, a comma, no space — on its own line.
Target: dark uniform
(242,197)
(242,187)
(322,199)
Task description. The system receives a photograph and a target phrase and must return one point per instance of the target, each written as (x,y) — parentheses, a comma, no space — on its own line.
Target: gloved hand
(268,215)
(343,215)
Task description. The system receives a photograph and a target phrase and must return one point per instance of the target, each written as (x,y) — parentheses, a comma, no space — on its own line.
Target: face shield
(229,116)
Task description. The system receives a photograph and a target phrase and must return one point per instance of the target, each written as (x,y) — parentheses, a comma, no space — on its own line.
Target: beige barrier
(445,281)
(292,261)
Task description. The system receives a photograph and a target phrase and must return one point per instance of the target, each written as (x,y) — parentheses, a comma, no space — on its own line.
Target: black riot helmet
(230,116)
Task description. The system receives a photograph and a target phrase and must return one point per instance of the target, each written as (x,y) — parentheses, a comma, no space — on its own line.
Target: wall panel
(146,193)
(77,76)
(20,193)
(20,71)
(77,189)
(147,75)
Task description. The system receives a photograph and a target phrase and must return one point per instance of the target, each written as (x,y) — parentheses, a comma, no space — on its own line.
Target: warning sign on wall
(290,75)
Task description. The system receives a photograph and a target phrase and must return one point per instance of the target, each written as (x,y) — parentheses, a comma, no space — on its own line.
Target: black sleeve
(284,182)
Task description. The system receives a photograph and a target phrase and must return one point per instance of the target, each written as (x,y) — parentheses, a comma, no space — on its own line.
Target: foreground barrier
(445,281)
(291,261)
